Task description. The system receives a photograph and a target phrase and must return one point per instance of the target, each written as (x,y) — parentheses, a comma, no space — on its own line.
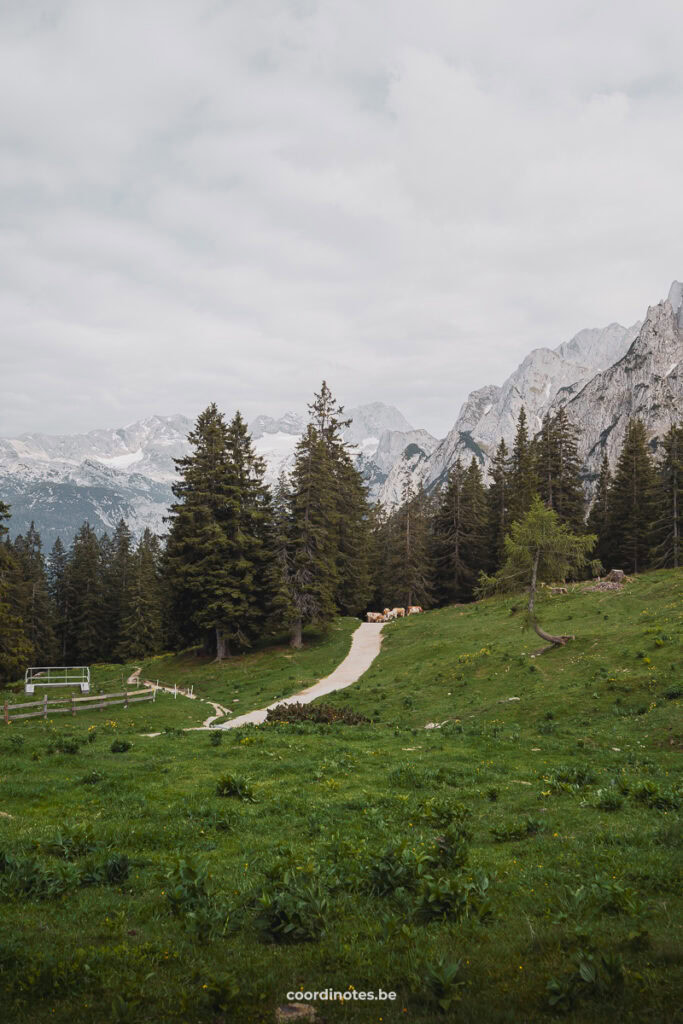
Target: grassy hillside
(518,864)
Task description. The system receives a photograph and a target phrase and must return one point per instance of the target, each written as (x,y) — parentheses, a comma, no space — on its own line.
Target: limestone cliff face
(602,375)
(646,383)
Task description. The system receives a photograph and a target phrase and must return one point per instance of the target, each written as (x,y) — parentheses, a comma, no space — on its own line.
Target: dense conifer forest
(241,562)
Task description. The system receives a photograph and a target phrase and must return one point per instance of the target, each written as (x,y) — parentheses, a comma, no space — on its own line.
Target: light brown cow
(414,609)
(398,613)
(375,617)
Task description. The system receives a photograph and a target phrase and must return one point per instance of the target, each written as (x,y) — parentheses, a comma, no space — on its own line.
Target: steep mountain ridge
(603,376)
(548,378)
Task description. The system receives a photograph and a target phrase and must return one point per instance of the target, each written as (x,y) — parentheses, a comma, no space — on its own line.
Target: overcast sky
(232,200)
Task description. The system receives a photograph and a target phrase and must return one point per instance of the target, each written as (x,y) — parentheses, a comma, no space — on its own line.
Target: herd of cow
(393,613)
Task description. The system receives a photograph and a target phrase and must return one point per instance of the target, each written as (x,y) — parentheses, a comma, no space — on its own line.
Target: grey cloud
(230,201)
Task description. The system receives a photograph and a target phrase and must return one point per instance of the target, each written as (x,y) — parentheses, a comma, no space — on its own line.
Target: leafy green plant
(608,800)
(653,795)
(237,786)
(292,912)
(120,746)
(442,981)
(517,830)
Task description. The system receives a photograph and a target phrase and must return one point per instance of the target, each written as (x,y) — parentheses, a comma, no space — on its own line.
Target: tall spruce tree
(559,469)
(524,483)
(459,534)
(246,519)
(141,627)
(15,648)
(196,549)
(58,586)
(312,580)
(498,501)
(117,570)
(218,546)
(352,511)
(87,622)
(323,526)
(631,501)
(599,518)
(410,569)
(34,596)
(668,501)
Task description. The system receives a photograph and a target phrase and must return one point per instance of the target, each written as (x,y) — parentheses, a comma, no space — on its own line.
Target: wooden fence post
(6,714)
(125,700)
(45,707)
(73,706)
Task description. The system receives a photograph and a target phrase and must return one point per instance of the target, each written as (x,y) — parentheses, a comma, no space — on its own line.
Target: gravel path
(365,647)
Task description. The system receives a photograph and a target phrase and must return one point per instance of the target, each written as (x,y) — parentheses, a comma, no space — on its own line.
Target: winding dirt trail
(365,646)
(219,710)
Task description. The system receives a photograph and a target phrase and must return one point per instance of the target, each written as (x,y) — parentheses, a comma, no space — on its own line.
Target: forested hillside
(241,562)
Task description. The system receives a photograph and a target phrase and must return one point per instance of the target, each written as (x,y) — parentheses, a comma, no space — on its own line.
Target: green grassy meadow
(519,864)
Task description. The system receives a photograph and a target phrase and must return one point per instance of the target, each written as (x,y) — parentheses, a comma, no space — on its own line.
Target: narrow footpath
(365,647)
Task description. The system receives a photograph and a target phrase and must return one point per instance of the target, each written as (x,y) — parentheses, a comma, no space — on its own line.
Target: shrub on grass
(67,745)
(120,746)
(293,912)
(608,800)
(237,786)
(517,830)
(654,796)
(569,778)
(319,713)
(451,899)
(440,982)
(216,738)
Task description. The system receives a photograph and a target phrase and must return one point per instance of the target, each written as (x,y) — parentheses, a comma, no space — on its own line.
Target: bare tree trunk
(557,641)
(295,635)
(222,648)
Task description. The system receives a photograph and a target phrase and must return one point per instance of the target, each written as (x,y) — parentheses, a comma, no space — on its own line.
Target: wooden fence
(45,707)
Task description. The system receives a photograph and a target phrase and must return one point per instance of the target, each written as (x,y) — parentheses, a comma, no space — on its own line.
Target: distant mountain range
(602,376)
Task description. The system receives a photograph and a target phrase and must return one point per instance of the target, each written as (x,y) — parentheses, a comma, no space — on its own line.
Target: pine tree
(141,628)
(498,500)
(524,483)
(219,544)
(459,530)
(313,577)
(352,511)
(15,647)
(87,622)
(117,568)
(599,519)
(197,549)
(410,567)
(58,586)
(559,469)
(246,520)
(668,501)
(632,501)
(35,603)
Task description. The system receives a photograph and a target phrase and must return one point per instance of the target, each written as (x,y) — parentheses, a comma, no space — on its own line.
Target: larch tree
(539,548)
